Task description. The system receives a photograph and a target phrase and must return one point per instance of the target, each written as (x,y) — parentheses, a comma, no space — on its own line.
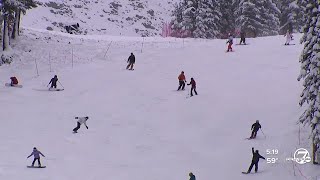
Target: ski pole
(61,84)
(264,134)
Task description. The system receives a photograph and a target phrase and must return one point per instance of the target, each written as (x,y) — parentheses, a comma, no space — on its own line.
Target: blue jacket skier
(36,153)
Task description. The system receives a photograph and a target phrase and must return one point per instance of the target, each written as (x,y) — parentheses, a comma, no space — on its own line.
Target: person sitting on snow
(14,81)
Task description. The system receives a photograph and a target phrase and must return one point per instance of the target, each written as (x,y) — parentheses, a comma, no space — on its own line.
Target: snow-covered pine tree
(208,19)
(248,17)
(176,22)
(189,16)
(258,17)
(228,18)
(291,16)
(7,10)
(21,6)
(269,14)
(310,71)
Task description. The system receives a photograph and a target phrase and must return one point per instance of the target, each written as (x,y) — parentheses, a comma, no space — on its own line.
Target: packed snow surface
(140,127)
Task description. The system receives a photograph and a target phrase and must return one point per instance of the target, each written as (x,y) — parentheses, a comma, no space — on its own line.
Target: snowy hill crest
(113,17)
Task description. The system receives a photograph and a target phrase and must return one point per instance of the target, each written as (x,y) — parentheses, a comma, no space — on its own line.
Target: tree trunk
(5,36)
(19,21)
(15,29)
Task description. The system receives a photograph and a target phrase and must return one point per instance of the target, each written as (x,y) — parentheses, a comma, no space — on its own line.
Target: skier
(14,81)
(36,153)
(242,38)
(53,82)
(82,120)
(192,176)
(255,161)
(255,128)
(182,80)
(193,87)
(230,41)
(289,37)
(131,61)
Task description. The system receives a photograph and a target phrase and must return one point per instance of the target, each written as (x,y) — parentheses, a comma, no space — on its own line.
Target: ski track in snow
(138,126)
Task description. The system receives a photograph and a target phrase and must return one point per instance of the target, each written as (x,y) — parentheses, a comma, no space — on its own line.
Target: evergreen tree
(310,70)
(189,16)
(228,18)
(208,19)
(7,10)
(291,16)
(258,17)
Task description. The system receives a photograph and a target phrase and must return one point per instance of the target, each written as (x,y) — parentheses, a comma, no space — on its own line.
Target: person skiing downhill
(14,81)
(193,87)
(131,61)
(53,82)
(289,37)
(255,161)
(36,153)
(192,176)
(255,128)
(182,81)
(230,41)
(82,120)
(242,38)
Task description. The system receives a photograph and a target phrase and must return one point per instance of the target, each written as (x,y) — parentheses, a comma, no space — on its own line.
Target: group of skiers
(182,81)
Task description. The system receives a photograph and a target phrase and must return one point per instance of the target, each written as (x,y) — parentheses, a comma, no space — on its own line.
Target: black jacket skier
(131,61)
(255,128)
(242,37)
(192,176)
(255,160)
(54,81)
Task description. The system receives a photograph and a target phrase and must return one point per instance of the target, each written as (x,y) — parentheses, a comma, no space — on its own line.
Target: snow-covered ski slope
(140,127)
(115,17)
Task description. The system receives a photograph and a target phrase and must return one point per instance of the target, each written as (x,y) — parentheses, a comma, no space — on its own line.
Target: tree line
(218,18)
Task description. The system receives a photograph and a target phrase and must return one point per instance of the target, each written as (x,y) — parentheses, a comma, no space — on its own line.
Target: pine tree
(291,16)
(208,19)
(310,71)
(228,18)
(176,22)
(258,17)
(8,7)
(189,16)
(21,6)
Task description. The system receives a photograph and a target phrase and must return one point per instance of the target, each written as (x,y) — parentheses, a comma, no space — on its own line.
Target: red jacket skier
(14,81)
(230,41)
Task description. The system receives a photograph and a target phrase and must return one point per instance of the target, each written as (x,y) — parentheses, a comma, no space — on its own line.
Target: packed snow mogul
(242,37)
(192,176)
(36,153)
(14,81)
(230,42)
(289,37)
(53,82)
(193,87)
(81,120)
(182,81)
(131,61)
(255,161)
(255,128)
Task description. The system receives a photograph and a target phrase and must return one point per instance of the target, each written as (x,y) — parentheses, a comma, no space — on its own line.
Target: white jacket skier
(288,36)
(81,120)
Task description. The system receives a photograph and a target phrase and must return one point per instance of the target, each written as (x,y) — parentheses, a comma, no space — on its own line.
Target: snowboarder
(82,120)
(14,81)
(192,176)
(255,161)
(36,153)
(242,38)
(289,37)
(230,41)
(131,61)
(53,82)
(182,81)
(193,87)
(255,128)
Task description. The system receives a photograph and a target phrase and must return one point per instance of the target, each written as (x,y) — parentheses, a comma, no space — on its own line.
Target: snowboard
(242,44)
(9,85)
(289,44)
(229,51)
(245,173)
(36,166)
(55,89)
